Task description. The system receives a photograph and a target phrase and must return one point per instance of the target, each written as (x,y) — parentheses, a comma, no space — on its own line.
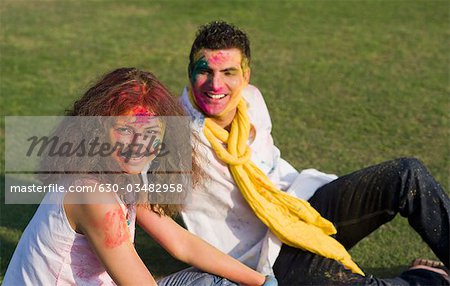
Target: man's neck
(225,120)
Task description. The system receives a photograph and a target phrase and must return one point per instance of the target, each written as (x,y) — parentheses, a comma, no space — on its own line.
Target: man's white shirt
(215,209)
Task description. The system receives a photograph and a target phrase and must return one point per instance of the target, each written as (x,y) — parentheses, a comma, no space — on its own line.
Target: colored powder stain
(88,272)
(156,147)
(244,64)
(219,57)
(143,89)
(115,228)
(140,111)
(143,115)
(199,66)
(156,144)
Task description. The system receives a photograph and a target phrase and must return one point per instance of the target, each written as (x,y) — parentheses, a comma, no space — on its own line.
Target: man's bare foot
(430,265)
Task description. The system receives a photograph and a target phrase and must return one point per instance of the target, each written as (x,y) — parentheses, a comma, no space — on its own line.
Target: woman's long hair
(116,94)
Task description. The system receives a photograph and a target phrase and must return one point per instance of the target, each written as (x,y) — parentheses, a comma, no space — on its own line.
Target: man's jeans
(194,277)
(361,202)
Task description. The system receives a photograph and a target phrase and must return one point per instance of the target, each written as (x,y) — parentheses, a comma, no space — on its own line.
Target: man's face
(217,78)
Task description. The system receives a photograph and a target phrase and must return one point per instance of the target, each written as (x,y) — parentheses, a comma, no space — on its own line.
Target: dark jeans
(361,202)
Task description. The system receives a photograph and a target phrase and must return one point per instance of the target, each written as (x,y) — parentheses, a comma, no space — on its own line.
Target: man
(243,194)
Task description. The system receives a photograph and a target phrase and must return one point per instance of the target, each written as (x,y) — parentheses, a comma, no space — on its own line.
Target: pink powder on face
(219,57)
(218,90)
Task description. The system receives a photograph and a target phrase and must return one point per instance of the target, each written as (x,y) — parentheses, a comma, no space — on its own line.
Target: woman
(87,237)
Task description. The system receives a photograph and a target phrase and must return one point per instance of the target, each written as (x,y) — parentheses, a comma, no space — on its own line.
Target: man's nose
(216,83)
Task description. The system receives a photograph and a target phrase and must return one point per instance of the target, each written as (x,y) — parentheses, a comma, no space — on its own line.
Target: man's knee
(416,177)
(409,165)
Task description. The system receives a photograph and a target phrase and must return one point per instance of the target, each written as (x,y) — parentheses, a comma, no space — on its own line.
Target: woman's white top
(50,252)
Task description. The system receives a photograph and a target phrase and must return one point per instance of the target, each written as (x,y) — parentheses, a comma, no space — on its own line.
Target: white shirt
(50,252)
(216,210)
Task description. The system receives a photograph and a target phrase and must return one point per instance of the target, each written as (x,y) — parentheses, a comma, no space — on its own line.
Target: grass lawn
(348,84)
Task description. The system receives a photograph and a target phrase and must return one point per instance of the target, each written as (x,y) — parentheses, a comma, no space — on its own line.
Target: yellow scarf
(292,220)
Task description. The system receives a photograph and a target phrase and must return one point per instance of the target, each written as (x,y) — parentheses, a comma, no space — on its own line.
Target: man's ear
(247,73)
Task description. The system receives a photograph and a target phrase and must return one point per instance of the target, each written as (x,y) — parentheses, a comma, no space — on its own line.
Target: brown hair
(115,94)
(220,35)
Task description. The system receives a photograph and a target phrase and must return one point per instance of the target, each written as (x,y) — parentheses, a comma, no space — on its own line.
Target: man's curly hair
(218,35)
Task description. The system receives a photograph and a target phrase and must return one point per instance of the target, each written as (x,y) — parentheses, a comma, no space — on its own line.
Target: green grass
(348,83)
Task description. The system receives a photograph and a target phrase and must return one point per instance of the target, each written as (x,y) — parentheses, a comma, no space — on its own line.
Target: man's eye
(203,71)
(229,73)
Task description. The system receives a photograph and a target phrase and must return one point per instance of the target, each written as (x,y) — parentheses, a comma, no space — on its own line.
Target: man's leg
(194,277)
(360,202)
(298,267)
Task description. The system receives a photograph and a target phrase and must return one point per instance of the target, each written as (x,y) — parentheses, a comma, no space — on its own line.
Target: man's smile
(215,96)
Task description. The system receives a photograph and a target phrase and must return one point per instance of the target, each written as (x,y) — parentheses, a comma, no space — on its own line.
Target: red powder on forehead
(140,111)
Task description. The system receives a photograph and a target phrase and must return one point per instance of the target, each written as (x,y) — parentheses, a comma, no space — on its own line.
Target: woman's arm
(105,227)
(192,250)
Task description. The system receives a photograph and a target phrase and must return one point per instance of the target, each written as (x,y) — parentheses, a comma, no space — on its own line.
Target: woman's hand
(270,281)
(192,250)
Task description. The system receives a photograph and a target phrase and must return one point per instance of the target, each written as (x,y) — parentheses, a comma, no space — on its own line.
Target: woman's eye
(153,132)
(124,130)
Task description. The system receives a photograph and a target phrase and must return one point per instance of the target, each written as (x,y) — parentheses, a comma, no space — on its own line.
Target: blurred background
(348,84)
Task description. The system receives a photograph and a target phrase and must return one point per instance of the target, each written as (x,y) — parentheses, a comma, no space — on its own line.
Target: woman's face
(137,140)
